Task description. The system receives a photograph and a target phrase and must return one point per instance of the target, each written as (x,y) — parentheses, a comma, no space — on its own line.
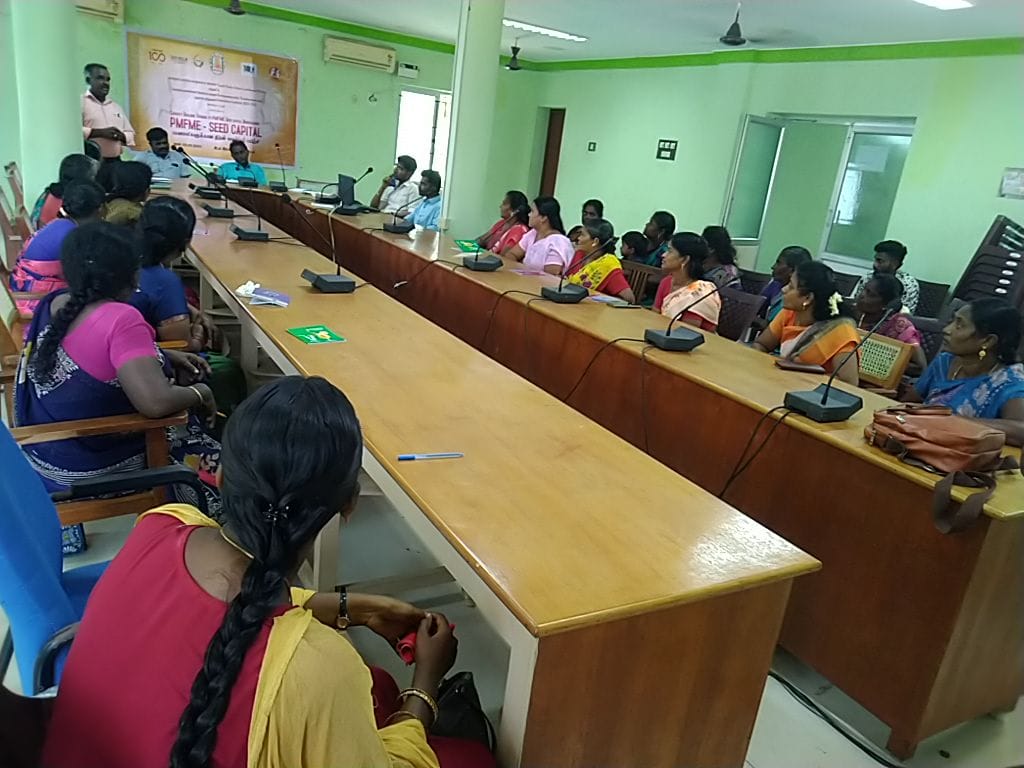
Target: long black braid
(99,263)
(290,460)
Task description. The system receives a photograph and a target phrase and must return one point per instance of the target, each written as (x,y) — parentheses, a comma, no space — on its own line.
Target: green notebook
(315,334)
(468,246)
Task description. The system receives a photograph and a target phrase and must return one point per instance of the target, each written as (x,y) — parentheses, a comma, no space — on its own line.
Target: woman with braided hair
(89,354)
(195,651)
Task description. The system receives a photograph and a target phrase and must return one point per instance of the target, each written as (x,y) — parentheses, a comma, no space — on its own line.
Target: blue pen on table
(428,456)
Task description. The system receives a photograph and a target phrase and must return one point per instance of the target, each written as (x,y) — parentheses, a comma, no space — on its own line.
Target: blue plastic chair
(43,604)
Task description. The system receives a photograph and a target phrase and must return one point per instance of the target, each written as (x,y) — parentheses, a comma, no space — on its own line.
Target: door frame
(730,193)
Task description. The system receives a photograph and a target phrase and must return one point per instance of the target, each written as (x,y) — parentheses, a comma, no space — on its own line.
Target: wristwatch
(343,620)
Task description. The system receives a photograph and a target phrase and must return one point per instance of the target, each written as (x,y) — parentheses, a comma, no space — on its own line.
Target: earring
(806,304)
(982,353)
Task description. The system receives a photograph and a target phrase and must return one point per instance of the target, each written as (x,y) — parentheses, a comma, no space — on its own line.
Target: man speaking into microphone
(398,189)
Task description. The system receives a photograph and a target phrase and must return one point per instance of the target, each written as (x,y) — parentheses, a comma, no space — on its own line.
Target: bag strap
(952,518)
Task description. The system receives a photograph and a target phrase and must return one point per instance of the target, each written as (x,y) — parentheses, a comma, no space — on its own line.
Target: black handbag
(459,714)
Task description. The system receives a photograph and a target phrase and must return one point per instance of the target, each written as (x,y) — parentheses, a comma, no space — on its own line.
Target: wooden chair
(640,276)
(76,510)
(13,238)
(22,218)
(931,334)
(754,282)
(23,725)
(739,309)
(931,299)
(882,363)
(845,283)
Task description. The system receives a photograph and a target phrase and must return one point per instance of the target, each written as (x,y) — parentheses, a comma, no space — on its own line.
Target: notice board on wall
(206,96)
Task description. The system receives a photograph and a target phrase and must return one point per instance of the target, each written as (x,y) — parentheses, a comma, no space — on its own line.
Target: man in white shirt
(104,121)
(163,161)
(398,190)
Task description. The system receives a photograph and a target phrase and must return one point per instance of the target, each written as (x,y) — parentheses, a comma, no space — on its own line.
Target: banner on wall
(206,96)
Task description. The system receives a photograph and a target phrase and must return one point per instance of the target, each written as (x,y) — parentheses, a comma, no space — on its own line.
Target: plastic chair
(883,362)
(931,334)
(754,282)
(42,602)
(931,298)
(845,283)
(738,312)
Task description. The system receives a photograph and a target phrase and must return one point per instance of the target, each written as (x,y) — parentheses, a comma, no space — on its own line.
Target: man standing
(241,168)
(398,189)
(161,159)
(428,213)
(889,256)
(103,120)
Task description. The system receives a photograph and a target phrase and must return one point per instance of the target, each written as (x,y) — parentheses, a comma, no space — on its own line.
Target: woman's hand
(436,649)
(391,619)
(189,368)
(203,329)
(208,406)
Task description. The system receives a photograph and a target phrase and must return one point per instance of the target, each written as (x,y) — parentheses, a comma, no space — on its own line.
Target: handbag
(459,714)
(932,438)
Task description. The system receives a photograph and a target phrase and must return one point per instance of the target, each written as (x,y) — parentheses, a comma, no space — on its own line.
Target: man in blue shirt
(242,168)
(162,160)
(428,213)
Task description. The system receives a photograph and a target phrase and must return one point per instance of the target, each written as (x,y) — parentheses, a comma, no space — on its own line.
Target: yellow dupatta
(593,274)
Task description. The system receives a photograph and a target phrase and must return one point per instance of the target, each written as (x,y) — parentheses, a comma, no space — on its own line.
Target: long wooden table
(922,629)
(641,616)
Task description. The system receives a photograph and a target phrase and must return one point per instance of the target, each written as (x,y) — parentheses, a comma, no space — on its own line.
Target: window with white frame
(424,123)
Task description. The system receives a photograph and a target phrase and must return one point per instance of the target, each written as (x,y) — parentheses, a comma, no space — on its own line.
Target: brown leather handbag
(965,451)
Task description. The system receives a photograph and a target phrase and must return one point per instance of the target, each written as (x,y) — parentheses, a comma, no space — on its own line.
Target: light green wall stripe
(333,25)
(1002,46)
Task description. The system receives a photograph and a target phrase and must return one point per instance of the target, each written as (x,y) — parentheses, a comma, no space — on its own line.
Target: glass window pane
(869,186)
(444,127)
(753,178)
(415,126)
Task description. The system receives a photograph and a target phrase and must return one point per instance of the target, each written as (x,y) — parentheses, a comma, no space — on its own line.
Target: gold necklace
(236,546)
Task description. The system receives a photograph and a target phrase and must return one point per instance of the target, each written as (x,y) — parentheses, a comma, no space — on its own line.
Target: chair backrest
(754,282)
(997,268)
(23,725)
(13,242)
(883,361)
(931,334)
(31,584)
(640,276)
(16,218)
(738,312)
(931,299)
(845,283)
(16,185)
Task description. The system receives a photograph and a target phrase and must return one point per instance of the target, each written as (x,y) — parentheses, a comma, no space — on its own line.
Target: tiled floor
(786,735)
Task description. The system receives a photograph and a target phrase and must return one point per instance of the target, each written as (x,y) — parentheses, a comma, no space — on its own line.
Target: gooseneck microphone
(824,404)
(406,226)
(213,192)
(571,293)
(366,173)
(282,185)
(258,235)
(682,339)
(212,177)
(325,283)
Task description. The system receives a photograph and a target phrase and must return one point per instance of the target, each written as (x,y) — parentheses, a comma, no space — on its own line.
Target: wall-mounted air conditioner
(113,10)
(359,54)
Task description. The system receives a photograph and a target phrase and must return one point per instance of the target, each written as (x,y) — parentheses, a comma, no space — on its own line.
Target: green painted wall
(802,190)
(10,143)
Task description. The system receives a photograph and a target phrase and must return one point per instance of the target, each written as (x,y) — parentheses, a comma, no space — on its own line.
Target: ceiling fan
(733,35)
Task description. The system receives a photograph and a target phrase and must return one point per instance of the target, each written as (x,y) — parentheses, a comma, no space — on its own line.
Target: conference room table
(923,629)
(640,611)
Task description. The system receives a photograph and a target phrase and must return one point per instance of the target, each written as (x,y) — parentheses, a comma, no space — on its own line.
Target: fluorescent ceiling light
(534,29)
(946,5)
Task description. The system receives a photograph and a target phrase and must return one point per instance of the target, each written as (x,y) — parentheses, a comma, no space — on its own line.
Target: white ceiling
(625,28)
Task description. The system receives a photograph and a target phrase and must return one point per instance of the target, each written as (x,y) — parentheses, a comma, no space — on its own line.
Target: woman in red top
(595,266)
(193,652)
(510,228)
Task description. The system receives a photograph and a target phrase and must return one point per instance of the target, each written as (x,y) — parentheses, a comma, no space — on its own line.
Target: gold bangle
(198,394)
(393,715)
(423,696)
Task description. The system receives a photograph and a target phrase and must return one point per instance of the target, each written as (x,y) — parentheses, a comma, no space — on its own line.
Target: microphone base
(838,407)
(351,210)
(680,340)
(278,186)
(327,199)
(215,178)
(250,183)
(399,229)
(209,193)
(567,294)
(481,264)
(330,283)
(254,235)
(215,212)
